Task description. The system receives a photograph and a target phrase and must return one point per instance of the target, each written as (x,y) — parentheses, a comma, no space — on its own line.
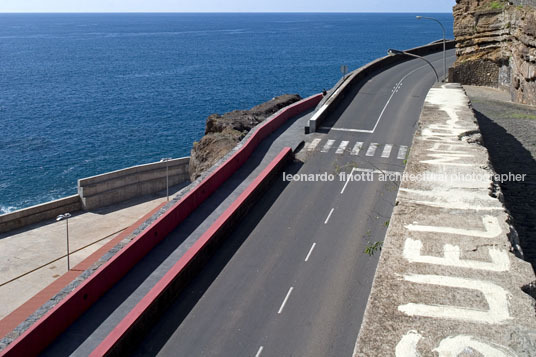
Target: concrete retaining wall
(123,338)
(39,213)
(448,282)
(42,332)
(103,190)
(118,186)
(357,77)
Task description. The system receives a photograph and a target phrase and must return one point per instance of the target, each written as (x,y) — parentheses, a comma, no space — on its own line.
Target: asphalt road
(293,279)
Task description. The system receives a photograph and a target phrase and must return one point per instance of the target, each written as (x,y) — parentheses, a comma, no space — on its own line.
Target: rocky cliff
(223,132)
(497,46)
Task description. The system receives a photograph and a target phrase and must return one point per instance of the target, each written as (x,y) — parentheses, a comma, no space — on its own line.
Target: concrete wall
(102,190)
(38,213)
(117,186)
(357,77)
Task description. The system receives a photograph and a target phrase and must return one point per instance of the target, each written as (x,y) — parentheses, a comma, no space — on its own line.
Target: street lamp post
(66,217)
(397,52)
(444,40)
(166,160)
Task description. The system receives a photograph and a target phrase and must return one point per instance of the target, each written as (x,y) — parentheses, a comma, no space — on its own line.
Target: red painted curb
(179,270)
(58,319)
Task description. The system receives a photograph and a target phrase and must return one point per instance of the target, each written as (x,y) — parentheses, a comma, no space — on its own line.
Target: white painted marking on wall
(496,297)
(458,206)
(342,147)
(491,224)
(310,252)
(449,148)
(455,346)
(407,347)
(387,151)
(402,152)
(313,144)
(285,301)
(372,149)
(448,159)
(259,351)
(479,198)
(329,215)
(328,145)
(451,346)
(499,258)
(357,148)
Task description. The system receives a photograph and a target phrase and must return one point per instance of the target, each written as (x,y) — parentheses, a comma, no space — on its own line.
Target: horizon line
(221,12)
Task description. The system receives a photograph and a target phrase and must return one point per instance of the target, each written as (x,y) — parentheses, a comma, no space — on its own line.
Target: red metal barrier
(182,270)
(58,319)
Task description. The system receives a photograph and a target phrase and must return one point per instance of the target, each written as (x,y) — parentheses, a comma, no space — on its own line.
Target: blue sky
(226,5)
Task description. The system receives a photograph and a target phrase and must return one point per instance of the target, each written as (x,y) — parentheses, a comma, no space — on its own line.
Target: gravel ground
(508,131)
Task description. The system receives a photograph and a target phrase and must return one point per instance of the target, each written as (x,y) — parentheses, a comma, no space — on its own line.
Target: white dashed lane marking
(259,352)
(285,301)
(310,252)
(329,215)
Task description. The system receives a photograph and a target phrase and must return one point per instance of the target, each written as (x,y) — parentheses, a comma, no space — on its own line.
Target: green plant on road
(372,248)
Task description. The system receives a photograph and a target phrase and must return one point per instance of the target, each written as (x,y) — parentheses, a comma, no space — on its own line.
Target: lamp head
(63,216)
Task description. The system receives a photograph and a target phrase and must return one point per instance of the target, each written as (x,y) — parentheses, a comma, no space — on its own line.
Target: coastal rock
(223,132)
(496,46)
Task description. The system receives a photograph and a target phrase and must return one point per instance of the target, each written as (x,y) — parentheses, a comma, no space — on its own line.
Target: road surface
(293,280)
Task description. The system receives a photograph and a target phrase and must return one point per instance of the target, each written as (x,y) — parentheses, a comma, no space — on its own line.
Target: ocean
(85,94)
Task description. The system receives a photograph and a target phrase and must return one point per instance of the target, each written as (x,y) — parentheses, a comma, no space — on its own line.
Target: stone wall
(448,282)
(497,46)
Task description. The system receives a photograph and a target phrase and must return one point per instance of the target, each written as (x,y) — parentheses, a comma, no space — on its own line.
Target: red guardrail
(124,335)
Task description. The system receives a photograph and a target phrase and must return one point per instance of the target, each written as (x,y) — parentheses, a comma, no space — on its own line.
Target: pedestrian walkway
(33,257)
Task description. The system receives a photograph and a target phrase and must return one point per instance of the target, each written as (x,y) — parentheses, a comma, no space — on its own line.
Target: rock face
(497,46)
(223,132)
